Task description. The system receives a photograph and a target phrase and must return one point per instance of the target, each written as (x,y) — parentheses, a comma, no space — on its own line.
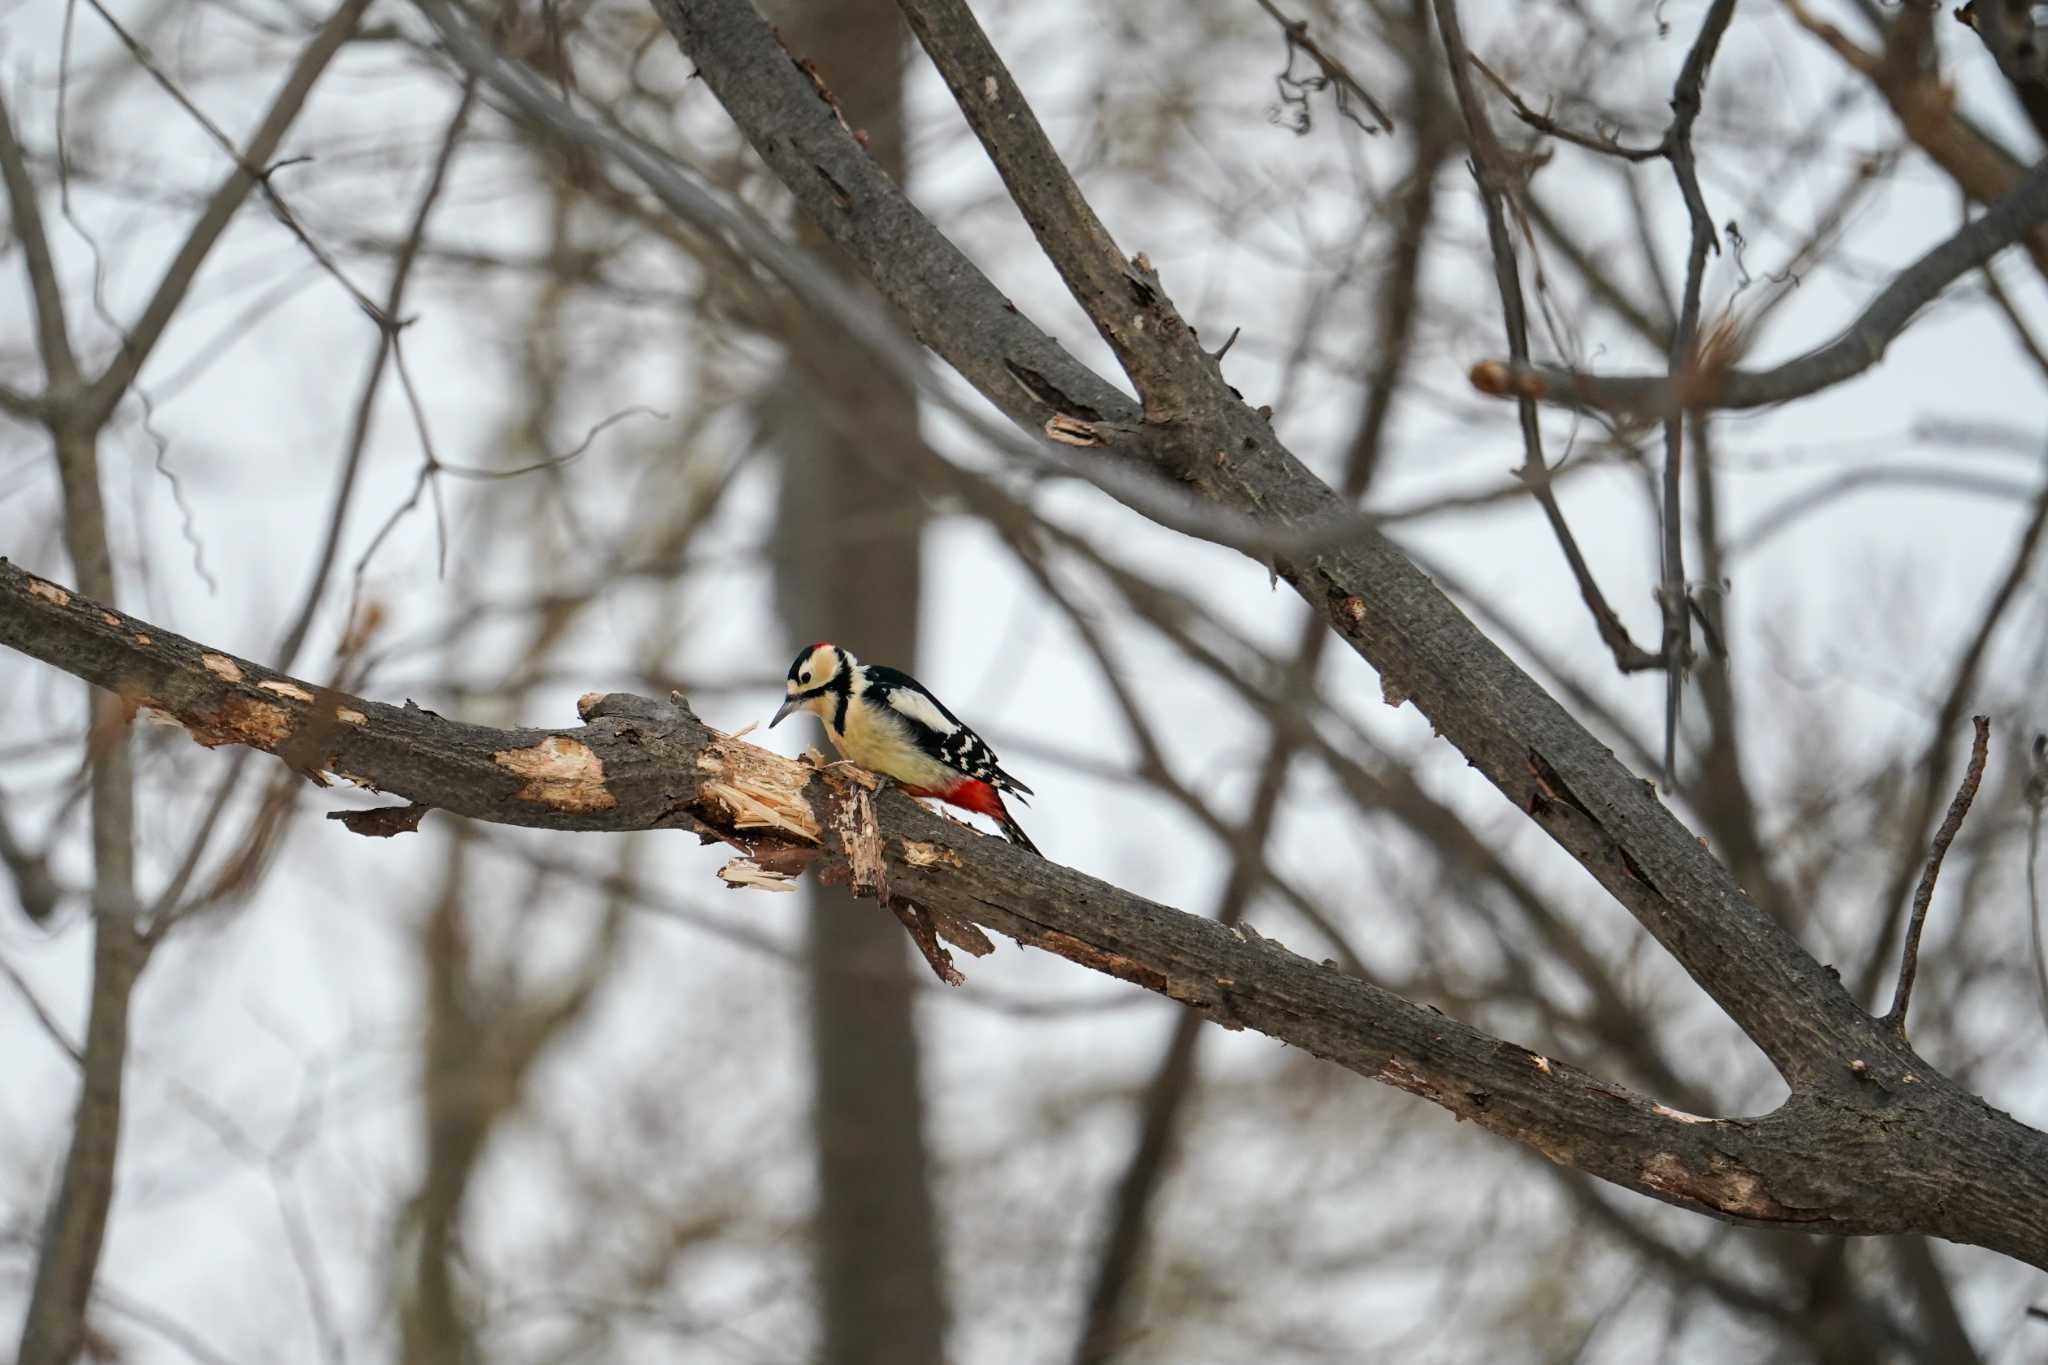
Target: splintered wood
(861,838)
(757,790)
(745,872)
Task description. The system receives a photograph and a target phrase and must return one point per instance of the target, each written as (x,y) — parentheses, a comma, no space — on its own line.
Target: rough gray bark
(880,1275)
(1896,1148)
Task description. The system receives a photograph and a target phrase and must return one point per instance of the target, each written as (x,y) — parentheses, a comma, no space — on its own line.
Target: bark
(1897,1148)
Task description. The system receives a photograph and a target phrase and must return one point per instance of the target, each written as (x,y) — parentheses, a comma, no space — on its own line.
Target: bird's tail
(1014,832)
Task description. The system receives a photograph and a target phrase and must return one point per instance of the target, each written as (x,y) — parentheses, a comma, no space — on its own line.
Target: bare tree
(1734,1045)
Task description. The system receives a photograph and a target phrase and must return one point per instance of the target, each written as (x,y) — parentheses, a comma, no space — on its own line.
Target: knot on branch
(625,706)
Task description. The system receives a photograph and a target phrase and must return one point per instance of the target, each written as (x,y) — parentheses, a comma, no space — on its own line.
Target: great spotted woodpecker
(886,722)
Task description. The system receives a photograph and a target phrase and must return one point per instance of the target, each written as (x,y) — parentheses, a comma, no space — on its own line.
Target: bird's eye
(805,679)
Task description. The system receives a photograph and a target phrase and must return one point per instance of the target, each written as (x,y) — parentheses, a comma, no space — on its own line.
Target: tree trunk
(851,574)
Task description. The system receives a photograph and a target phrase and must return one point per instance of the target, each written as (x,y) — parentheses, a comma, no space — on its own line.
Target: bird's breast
(878,743)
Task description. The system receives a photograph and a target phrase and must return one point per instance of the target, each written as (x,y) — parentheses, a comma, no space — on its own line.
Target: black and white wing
(937,730)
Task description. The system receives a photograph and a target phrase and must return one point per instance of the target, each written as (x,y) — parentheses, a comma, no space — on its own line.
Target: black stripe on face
(841,683)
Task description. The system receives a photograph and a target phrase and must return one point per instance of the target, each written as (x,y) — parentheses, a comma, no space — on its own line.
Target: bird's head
(811,680)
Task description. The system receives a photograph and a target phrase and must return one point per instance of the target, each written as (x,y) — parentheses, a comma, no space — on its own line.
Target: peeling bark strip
(1902,1150)
(382,822)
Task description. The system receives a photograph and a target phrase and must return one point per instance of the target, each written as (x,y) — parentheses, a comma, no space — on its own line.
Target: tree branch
(1859,346)
(1687,97)
(1296,91)
(1923,895)
(1124,299)
(1496,175)
(60,366)
(53,1328)
(1914,831)
(1925,106)
(1597,141)
(1902,1149)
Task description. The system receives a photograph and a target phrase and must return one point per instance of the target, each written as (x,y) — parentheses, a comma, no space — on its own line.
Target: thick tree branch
(1903,1149)
(1859,346)
(1123,298)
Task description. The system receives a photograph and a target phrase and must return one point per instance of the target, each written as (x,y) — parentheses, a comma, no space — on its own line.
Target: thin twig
(1594,269)
(163,1324)
(107,390)
(35,1005)
(1544,123)
(1925,105)
(1944,478)
(1686,98)
(259,173)
(1400,293)
(1496,178)
(1335,74)
(287,650)
(1943,837)
(1959,696)
(2020,331)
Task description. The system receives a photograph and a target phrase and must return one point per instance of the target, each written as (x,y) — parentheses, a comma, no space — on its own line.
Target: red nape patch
(968,794)
(822,644)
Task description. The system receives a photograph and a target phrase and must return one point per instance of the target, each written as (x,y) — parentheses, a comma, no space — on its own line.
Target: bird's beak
(793,704)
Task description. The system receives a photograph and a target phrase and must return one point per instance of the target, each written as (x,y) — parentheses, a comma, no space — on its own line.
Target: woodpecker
(885,721)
